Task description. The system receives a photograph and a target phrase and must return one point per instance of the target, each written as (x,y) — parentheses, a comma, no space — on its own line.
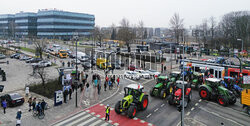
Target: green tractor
(134,100)
(197,79)
(162,88)
(212,90)
(174,76)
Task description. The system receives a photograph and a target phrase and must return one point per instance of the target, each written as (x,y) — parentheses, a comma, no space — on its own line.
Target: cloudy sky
(154,13)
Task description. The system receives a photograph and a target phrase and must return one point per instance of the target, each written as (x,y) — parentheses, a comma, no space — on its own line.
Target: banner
(246,79)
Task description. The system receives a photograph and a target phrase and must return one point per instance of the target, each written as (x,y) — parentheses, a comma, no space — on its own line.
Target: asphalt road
(198,112)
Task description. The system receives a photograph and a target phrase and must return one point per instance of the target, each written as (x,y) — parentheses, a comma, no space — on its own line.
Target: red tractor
(175,97)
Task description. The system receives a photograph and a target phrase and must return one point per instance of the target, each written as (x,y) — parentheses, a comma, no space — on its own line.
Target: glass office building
(63,25)
(25,24)
(7,25)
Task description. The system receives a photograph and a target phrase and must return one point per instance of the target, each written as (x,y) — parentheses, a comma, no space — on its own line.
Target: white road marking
(156,110)
(96,123)
(149,124)
(162,105)
(216,114)
(188,113)
(70,119)
(142,121)
(110,121)
(135,118)
(116,124)
(192,108)
(105,124)
(87,121)
(196,104)
(200,100)
(148,115)
(93,113)
(98,115)
(78,120)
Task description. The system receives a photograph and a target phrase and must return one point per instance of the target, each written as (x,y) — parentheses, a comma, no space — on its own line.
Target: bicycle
(38,114)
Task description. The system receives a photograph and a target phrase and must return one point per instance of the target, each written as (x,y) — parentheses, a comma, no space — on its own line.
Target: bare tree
(125,32)
(212,29)
(42,74)
(113,34)
(140,29)
(176,24)
(40,46)
(98,35)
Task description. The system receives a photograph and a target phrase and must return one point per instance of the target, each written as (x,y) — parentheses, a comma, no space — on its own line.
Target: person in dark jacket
(43,104)
(4,104)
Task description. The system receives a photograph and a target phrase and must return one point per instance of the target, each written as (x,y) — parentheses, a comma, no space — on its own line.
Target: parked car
(13,55)
(132,75)
(75,61)
(86,65)
(25,57)
(12,99)
(2,56)
(153,73)
(116,65)
(33,60)
(44,63)
(143,74)
(133,67)
(84,58)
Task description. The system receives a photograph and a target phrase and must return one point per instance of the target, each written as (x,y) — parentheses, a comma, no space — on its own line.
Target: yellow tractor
(245,100)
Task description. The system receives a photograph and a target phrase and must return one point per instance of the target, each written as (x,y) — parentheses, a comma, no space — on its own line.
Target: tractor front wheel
(132,111)
(204,93)
(117,107)
(144,103)
(171,100)
(222,100)
(151,92)
(163,94)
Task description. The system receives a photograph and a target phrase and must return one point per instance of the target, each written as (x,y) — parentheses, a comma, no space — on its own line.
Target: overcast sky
(154,13)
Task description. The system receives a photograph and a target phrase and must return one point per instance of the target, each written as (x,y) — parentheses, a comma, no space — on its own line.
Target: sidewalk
(56,113)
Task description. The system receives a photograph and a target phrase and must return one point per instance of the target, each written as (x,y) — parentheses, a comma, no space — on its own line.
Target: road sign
(240,74)
(246,79)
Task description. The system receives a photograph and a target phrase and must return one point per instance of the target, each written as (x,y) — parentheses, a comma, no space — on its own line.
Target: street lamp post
(76,83)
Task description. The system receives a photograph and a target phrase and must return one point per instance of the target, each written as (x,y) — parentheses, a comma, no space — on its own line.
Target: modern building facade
(158,32)
(47,24)
(25,24)
(7,22)
(62,24)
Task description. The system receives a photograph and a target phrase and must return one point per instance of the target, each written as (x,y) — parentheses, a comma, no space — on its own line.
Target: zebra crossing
(82,118)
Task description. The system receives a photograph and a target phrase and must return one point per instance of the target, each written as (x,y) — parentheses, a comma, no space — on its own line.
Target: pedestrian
(34,104)
(118,81)
(30,103)
(19,114)
(65,94)
(95,82)
(105,85)
(70,92)
(98,88)
(87,85)
(107,113)
(72,65)
(109,82)
(63,63)
(4,104)
(68,64)
(43,104)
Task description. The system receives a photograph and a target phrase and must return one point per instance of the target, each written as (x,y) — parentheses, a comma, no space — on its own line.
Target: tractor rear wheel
(151,92)
(204,93)
(233,99)
(171,100)
(144,103)
(117,107)
(222,100)
(163,94)
(132,111)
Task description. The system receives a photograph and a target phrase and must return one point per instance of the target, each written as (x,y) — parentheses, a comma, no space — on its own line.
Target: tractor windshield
(160,80)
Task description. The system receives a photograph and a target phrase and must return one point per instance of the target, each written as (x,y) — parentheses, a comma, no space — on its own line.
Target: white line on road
(156,110)
(192,108)
(188,113)
(95,123)
(70,119)
(87,121)
(216,114)
(148,115)
(200,100)
(196,104)
(162,105)
(78,120)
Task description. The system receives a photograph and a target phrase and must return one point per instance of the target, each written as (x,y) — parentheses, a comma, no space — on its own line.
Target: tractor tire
(117,107)
(163,94)
(248,111)
(171,100)
(204,93)
(222,100)
(144,103)
(132,111)
(190,96)
(151,93)
(233,100)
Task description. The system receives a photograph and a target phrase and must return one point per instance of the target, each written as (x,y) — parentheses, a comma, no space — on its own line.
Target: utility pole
(182,112)
(76,82)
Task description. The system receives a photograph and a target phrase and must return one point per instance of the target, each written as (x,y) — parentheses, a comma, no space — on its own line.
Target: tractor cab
(134,100)
(162,88)
(213,82)
(175,75)
(230,83)
(197,79)
(162,79)
(187,73)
